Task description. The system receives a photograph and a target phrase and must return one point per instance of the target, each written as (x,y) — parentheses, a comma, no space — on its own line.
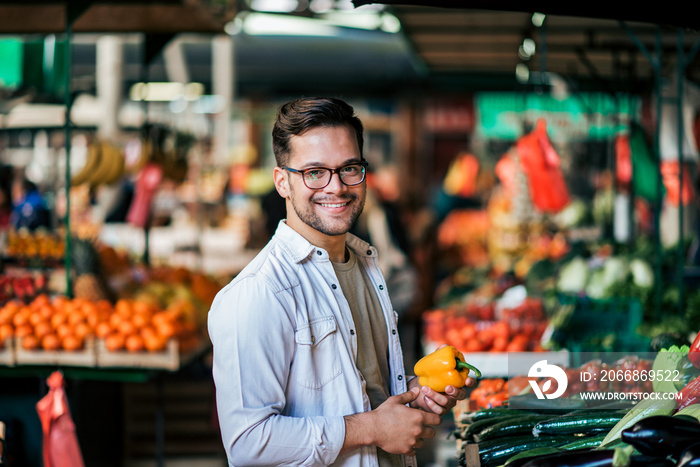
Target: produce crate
(85,357)
(168,359)
(7,353)
(607,325)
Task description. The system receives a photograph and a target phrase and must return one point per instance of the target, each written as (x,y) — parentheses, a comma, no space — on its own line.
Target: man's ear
(281,182)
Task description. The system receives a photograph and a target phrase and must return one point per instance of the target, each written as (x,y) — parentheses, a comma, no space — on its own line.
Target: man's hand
(392,426)
(437,402)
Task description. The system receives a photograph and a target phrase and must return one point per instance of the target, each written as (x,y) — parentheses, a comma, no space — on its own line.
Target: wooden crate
(85,357)
(168,359)
(7,353)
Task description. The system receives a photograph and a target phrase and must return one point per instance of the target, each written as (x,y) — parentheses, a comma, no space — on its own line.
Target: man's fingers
(407,397)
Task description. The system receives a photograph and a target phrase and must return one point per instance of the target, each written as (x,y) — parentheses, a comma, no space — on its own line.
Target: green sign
(580,117)
(10,63)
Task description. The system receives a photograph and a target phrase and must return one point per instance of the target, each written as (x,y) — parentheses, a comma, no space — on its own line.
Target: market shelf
(507,364)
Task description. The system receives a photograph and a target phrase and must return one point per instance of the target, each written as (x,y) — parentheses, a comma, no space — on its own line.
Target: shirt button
(369,252)
(400,377)
(313,340)
(319,253)
(381,287)
(333,286)
(393,331)
(352,332)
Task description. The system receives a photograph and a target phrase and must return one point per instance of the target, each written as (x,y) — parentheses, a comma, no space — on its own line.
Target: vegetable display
(662,435)
(444,367)
(694,353)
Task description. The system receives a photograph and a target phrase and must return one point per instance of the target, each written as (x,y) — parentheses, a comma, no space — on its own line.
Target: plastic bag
(541,163)
(60,443)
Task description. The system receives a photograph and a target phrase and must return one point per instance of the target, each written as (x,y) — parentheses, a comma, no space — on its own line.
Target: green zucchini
(580,423)
(510,427)
(584,442)
(510,447)
(475,427)
(497,443)
(499,411)
(643,409)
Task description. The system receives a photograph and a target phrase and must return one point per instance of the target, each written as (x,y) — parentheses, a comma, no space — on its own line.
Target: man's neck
(333,244)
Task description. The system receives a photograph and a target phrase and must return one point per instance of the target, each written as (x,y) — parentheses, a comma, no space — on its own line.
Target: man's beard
(308,215)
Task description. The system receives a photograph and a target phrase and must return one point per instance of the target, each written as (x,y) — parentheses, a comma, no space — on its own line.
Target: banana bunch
(144,157)
(91,163)
(104,165)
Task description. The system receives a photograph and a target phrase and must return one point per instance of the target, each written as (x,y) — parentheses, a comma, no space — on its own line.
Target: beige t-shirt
(372,338)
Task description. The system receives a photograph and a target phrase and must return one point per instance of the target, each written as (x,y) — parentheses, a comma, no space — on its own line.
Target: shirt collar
(300,248)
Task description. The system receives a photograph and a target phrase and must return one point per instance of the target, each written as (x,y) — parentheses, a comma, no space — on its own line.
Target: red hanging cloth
(60,443)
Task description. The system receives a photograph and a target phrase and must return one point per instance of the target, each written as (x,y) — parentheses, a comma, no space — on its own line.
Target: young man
(307,359)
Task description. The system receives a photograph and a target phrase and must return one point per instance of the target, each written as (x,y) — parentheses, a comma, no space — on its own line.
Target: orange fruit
(45,311)
(21,317)
(134,343)
(115,341)
(126,327)
(24,330)
(42,329)
(12,306)
(35,318)
(50,342)
(76,317)
(82,330)
(63,329)
(59,302)
(39,301)
(123,307)
(89,307)
(71,343)
(6,330)
(6,316)
(115,319)
(93,319)
(58,319)
(140,320)
(103,329)
(142,307)
(153,342)
(30,342)
(103,306)
(166,329)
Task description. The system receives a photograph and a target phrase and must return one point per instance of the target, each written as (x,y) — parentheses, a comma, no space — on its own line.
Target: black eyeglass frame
(337,170)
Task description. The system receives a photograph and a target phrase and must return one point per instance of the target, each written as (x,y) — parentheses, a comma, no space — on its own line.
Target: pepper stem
(462,365)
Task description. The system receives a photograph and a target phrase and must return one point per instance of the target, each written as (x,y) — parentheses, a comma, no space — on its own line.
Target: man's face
(331,210)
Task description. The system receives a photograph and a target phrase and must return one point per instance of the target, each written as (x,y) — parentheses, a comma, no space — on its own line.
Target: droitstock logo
(541,370)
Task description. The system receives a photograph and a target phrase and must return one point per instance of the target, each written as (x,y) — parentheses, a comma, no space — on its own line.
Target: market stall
(528,266)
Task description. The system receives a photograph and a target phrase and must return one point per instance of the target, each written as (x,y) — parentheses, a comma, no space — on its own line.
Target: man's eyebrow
(311,165)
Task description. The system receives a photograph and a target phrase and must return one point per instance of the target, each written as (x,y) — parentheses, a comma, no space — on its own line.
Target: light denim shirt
(284,357)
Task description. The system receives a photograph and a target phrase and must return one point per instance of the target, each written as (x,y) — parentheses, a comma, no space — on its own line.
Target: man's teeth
(336,205)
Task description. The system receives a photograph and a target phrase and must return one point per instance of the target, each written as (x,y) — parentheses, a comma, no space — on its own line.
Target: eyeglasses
(316,178)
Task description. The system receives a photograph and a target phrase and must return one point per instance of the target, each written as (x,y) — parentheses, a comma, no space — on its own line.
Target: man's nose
(336,184)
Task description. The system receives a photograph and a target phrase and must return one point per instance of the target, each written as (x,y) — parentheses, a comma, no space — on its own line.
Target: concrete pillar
(223,85)
(109,65)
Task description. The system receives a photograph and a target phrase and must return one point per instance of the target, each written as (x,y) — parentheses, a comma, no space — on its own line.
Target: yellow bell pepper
(442,368)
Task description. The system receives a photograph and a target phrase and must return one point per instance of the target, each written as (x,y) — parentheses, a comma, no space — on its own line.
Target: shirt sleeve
(253,346)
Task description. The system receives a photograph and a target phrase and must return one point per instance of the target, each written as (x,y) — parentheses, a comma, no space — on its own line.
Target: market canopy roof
(671,13)
(459,40)
(148,16)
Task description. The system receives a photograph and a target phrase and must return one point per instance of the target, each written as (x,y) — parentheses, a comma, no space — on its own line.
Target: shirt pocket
(317,361)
